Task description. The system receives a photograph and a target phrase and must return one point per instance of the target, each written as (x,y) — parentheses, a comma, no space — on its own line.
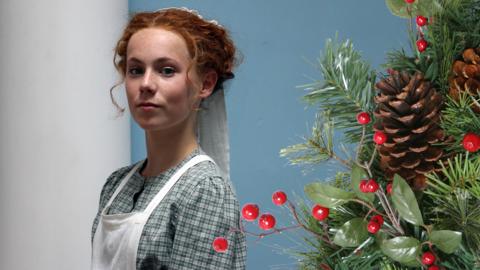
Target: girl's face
(159,94)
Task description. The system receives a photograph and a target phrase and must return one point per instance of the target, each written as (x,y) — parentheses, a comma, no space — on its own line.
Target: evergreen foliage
(453,28)
(347,87)
(457,119)
(317,148)
(455,199)
(449,207)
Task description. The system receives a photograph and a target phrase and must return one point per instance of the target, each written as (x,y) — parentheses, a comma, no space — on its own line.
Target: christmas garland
(409,196)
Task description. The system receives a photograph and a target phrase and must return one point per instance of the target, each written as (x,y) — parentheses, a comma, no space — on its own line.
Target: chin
(159,124)
(149,124)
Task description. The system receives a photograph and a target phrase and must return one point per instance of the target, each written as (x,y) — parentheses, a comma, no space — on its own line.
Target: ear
(208,84)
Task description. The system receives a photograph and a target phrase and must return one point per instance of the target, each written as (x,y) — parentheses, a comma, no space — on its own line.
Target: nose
(148,82)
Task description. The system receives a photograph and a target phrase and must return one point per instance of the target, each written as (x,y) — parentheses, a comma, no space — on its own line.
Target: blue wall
(265,113)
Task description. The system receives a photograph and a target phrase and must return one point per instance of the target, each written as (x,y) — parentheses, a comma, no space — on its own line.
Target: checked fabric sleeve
(210,211)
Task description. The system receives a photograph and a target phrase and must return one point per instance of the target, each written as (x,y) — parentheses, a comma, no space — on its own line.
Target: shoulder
(113,181)
(205,175)
(204,182)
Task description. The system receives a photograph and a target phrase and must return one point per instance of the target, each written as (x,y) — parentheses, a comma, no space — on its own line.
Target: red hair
(208,43)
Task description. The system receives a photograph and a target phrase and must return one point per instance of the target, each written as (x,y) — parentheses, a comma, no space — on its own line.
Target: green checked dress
(179,233)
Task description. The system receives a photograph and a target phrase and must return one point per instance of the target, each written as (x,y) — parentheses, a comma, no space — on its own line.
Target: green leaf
(326,195)
(447,241)
(398,8)
(405,202)
(352,233)
(402,249)
(405,10)
(429,72)
(358,173)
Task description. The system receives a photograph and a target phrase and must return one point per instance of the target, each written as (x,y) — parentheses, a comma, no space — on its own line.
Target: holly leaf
(402,249)
(447,241)
(403,9)
(358,173)
(352,233)
(326,195)
(405,202)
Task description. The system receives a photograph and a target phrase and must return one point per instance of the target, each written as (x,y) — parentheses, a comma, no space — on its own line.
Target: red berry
(434,267)
(409,1)
(220,244)
(372,186)
(279,198)
(363,186)
(389,188)
(378,219)
(421,21)
(363,118)
(250,212)
(379,137)
(390,71)
(428,258)
(319,212)
(266,221)
(373,227)
(422,45)
(471,142)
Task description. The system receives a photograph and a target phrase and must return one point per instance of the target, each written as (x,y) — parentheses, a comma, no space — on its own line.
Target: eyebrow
(158,60)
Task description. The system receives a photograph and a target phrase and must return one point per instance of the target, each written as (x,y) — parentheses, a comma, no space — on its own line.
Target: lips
(148,104)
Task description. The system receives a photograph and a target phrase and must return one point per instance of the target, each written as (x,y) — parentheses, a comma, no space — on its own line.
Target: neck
(166,148)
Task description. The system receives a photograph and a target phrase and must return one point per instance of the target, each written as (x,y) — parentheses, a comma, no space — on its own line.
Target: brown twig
(368,206)
(389,210)
(324,236)
(373,157)
(344,162)
(360,144)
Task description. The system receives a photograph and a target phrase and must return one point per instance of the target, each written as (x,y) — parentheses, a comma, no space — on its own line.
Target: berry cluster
(250,212)
(471,142)
(421,21)
(428,259)
(389,188)
(266,221)
(368,186)
(319,212)
(363,118)
(375,224)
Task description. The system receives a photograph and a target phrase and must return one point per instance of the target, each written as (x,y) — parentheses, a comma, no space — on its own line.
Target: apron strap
(172,181)
(122,184)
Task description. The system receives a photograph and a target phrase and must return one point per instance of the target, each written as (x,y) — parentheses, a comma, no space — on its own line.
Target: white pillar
(59,139)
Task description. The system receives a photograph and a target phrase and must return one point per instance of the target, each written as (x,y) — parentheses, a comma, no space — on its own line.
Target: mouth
(147,106)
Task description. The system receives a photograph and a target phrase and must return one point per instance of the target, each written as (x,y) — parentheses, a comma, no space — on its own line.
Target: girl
(164,212)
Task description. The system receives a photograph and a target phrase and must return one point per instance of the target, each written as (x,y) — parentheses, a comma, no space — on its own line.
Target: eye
(167,71)
(135,71)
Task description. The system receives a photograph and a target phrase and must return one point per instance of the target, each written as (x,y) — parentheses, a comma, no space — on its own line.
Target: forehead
(157,42)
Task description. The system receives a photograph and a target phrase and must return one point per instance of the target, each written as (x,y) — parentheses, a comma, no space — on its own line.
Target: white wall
(59,139)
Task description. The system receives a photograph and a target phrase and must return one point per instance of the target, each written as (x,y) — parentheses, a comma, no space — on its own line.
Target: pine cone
(408,112)
(466,77)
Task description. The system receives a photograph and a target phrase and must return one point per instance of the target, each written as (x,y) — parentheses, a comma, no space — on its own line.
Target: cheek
(129,89)
(178,95)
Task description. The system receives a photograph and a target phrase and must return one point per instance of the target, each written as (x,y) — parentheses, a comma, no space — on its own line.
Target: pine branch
(454,200)
(458,119)
(317,148)
(347,88)
(464,259)
(453,29)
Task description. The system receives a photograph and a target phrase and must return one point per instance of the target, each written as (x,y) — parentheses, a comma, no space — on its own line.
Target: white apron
(116,239)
